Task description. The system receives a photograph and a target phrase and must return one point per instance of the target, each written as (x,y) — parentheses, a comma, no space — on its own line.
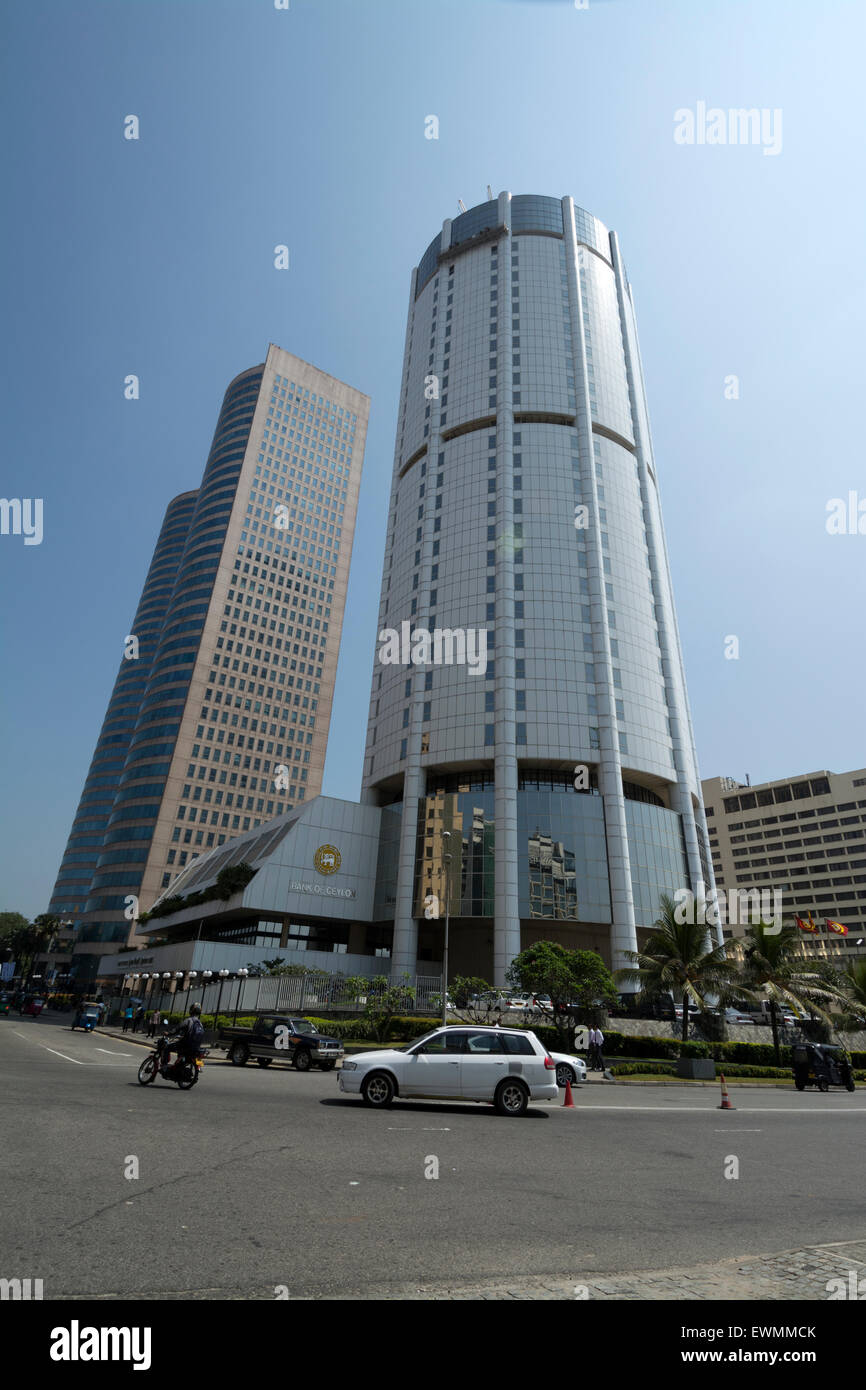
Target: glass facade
(562,869)
(523,505)
(658,857)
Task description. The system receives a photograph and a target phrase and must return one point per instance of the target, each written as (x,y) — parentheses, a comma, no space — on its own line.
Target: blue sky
(306,127)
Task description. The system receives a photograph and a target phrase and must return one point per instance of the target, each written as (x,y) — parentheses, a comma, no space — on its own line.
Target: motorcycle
(183,1071)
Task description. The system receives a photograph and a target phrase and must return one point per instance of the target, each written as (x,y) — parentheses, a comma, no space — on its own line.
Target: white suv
(507,1067)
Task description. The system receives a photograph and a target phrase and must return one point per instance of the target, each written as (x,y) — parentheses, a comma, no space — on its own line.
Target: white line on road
(708,1109)
(113,1054)
(64,1056)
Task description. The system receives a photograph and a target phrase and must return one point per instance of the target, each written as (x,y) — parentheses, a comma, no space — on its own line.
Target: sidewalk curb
(124,1037)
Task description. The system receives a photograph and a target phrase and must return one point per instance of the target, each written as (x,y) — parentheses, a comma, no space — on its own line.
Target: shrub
(644,1068)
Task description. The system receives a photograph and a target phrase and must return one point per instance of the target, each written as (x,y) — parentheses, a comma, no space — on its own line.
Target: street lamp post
(166,975)
(242,975)
(206,977)
(223,976)
(193,975)
(446,859)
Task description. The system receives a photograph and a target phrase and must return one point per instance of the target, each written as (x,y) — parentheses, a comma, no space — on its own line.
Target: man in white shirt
(596,1042)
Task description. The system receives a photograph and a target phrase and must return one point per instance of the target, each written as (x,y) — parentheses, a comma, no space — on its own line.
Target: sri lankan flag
(806,926)
(836,927)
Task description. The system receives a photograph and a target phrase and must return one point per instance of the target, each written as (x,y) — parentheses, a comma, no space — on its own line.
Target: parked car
(569,1068)
(506,1067)
(738,1016)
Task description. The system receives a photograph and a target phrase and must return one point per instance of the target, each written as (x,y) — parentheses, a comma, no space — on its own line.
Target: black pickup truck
(281,1038)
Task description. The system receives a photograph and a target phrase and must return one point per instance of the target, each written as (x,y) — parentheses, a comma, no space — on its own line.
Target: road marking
(738,1131)
(708,1109)
(64,1056)
(113,1054)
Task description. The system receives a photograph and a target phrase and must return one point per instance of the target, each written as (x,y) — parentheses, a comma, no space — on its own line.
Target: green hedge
(403,1028)
(626,1045)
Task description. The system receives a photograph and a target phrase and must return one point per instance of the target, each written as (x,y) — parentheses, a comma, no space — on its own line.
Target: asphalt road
(259,1178)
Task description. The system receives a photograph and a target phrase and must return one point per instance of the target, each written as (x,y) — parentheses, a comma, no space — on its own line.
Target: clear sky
(307,127)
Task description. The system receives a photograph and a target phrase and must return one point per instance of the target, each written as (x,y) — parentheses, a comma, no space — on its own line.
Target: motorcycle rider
(187,1041)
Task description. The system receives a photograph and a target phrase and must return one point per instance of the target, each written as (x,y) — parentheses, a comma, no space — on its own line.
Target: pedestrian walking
(152,1022)
(127,1017)
(138,1019)
(596,1043)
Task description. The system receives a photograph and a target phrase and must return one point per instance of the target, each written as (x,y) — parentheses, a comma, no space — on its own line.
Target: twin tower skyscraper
(219,715)
(554,794)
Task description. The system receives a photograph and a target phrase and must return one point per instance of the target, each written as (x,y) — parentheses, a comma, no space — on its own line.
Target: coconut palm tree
(853,982)
(771,967)
(680,957)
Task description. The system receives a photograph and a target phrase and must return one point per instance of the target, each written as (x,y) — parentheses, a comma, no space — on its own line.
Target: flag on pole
(836,927)
(806,926)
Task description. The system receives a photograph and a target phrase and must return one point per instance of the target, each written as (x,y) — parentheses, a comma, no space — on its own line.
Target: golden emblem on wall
(327,859)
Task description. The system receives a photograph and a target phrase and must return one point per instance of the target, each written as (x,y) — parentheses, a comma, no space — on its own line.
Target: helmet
(195,1010)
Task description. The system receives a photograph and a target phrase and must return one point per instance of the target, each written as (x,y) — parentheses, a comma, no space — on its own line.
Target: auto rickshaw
(87,1017)
(821,1065)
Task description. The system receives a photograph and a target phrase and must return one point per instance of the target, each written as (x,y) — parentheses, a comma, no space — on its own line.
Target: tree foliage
(679,958)
(578,983)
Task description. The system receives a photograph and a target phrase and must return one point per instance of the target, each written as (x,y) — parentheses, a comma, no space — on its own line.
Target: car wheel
(327,1066)
(823,1084)
(264,1061)
(512,1097)
(565,1073)
(378,1089)
(801,1085)
(302,1060)
(239,1055)
(147,1071)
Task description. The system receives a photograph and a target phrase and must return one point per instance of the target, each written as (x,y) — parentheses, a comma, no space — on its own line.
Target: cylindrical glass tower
(524,503)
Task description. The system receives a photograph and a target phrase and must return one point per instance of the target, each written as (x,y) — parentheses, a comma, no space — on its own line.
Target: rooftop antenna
(461,204)
(489,194)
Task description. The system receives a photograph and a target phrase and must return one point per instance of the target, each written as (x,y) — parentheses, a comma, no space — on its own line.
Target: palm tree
(772,967)
(675,957)
(853,982)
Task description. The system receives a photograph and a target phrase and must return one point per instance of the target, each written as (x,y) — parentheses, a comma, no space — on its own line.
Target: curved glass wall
(563,871)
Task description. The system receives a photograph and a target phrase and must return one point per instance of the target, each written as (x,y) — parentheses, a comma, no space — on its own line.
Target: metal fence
(302,994)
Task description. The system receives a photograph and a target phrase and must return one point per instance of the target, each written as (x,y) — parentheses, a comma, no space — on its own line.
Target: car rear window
(516,1043)
(483,1042)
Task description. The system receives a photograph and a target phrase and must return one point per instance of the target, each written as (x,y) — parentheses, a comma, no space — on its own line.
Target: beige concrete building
(806,837)
(227,704)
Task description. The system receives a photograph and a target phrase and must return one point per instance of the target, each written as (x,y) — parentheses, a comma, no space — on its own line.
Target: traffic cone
(726,1100)
(568,1103)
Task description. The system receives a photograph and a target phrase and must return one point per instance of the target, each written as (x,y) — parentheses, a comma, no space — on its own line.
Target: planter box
(697,1068)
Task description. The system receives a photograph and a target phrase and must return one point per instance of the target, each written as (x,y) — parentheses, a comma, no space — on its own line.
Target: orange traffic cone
(568,1103)
(726,1100)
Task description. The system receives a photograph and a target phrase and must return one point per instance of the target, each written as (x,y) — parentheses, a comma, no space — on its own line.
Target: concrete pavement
(258,1179)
